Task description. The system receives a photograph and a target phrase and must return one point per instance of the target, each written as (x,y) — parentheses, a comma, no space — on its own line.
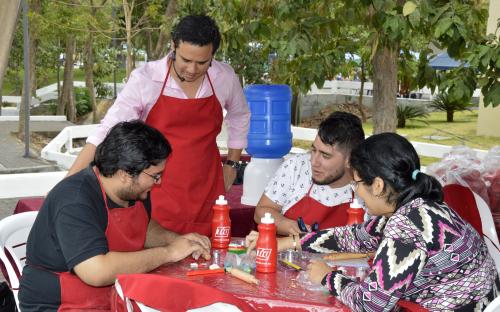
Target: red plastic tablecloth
(241,215)
(278,291)
(29,204)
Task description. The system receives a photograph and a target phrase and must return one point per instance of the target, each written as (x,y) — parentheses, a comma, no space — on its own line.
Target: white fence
(61,150)
(28,184)
(423,149)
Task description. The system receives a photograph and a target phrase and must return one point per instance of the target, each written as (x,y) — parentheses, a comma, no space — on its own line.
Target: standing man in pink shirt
(183,95)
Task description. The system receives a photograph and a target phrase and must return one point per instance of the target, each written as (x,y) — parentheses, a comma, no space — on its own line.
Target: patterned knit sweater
(424,253)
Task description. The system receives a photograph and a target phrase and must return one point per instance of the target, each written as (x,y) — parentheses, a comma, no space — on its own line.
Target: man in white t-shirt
(315,186)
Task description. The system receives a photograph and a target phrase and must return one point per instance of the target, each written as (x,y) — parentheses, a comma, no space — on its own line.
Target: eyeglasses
(156,177)
(354,184)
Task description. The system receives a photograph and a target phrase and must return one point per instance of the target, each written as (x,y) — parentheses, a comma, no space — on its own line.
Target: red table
(169,288)
(241,215)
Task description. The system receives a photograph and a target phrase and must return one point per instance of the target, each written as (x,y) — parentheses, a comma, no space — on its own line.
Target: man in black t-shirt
(96,224)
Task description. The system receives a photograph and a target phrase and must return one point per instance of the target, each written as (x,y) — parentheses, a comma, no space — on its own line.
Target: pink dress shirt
(143,89)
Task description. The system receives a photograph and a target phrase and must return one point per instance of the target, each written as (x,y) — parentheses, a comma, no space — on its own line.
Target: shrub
(102,91)
(443,102)
(82,101)
(406,112)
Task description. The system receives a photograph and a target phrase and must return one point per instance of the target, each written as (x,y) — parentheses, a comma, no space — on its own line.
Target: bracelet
(233,164)
(294,242)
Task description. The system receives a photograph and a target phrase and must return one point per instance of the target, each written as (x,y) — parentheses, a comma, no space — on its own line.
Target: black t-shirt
(70,228)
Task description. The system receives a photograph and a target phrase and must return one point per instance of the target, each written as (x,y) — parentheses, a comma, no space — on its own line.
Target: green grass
(79,75)
(462,131)
(9,86)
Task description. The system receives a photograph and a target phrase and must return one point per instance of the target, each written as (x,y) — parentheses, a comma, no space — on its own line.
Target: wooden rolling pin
(244,276)
(347,255)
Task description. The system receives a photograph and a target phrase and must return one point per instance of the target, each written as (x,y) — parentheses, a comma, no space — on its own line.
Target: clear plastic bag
(244,262)
(304,280)
(461,166)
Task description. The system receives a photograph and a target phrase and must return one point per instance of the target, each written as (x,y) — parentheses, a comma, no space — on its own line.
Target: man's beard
(130,194)
(329,179)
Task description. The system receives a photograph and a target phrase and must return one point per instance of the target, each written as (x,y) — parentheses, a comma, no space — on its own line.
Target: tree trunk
(33,49)
(127,14)
(164,36)
(89,74)
(401,122)
(361,91)
(1,88)
(8,15)
(385,72)
(295,109)
(35,7)
(67,102)
(89,67)
(449,115)
(149,44)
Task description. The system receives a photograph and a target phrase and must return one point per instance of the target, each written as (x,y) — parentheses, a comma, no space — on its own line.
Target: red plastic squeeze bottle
(267,245)
(355,213)
(221,224)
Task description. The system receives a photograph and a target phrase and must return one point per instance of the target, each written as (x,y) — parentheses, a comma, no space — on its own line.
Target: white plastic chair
(494,306)
(488,226)
(14,231)
(472,208)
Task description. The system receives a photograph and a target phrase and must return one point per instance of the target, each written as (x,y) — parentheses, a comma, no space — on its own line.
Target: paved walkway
(12,152)
(12,158)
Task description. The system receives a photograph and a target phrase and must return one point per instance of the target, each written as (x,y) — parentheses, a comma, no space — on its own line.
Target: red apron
(192,178)
(125,232)
(312,211)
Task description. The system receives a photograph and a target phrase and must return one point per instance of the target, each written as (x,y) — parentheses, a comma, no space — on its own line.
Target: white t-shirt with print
(292,181)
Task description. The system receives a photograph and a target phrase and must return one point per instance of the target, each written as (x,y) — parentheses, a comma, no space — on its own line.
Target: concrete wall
(312,104)
(487,121)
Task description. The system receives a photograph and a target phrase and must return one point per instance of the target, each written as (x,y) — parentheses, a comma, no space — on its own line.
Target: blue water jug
(270,134)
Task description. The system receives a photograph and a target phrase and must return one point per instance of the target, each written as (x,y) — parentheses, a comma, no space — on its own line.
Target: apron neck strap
(169,65)
(97,174)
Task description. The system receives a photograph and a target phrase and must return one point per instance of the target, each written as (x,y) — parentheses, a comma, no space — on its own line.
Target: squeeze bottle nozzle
(221,200)
(267,219)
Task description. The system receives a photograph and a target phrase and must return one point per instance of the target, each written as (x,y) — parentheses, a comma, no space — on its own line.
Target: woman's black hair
(131,146)
(392,158)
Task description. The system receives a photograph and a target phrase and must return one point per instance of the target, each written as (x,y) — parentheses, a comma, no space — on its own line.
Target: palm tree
(406,112)
(444,103)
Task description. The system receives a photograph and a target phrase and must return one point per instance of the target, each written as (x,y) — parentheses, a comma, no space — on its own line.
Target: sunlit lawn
(462,131)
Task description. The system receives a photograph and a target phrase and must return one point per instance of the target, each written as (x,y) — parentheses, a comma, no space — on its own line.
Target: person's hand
(181,247)
(200,239)
(229,174)
(289,227)
(316,270)
(251,240)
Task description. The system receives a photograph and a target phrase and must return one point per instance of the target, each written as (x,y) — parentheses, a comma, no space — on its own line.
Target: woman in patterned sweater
(424,251)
